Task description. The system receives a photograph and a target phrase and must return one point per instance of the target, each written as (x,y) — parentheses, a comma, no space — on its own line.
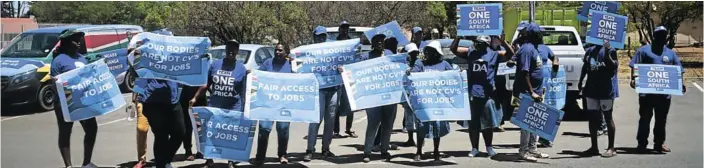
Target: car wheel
(46,97)
(128,84)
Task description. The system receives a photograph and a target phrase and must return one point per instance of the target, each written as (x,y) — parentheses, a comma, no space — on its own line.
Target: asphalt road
(30,140)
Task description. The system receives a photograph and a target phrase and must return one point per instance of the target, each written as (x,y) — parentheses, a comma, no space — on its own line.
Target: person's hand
(190,103)
(633,84)
(536,97)
(249,71)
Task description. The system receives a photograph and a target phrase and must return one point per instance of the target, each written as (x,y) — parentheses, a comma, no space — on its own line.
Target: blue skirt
(442,127)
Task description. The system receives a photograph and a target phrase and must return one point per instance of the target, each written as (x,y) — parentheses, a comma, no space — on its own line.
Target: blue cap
(522,25)
(533,27)
(320,30)
(343,23)
(417,29)
(660,28)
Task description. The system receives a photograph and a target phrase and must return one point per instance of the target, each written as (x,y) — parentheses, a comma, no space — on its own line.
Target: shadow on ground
(19,110)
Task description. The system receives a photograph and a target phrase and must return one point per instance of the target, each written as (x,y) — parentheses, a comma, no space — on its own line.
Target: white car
(565,42)
(355,32)
(251,55)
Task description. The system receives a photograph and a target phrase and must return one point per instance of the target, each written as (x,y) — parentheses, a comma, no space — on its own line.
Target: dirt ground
(692,59)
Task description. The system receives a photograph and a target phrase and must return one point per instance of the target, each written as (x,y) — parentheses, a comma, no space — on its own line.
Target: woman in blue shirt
(278,64)
(431,129)
(226,84)
(68,59)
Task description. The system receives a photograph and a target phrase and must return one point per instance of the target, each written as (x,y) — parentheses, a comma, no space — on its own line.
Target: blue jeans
(383,116)
(326,115)
(265,128)
(409,118)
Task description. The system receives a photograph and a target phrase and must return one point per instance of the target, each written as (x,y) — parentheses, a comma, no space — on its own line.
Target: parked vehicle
(355,32)
(252,55)
(38,45)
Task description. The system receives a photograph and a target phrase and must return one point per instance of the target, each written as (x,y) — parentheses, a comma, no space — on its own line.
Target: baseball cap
(434,45)
(417,29)
(378,38)
(484,39)
(344,23)
(660,28)
(522,25)
(320,30)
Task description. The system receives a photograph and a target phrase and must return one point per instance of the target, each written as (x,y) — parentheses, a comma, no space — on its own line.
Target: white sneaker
(539,154)
(528,157)
(90,165)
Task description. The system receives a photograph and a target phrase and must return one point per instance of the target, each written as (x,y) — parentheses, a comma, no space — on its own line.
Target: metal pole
(532,11)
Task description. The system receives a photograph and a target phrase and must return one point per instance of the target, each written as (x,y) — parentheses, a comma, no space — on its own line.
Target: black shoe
(367,158)
(258,161)
(351,134)
(308,157)
(591,152)
(337,136)
(409,143)
(643,150)
(328,154)
(386,156)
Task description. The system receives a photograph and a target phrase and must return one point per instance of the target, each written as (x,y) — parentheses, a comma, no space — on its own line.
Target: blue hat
(522,25)
(660,28)
(320,30)
(344,23)
(417,29)
(533,27)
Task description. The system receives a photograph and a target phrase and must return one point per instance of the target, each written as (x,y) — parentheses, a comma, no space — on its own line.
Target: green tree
(647,15)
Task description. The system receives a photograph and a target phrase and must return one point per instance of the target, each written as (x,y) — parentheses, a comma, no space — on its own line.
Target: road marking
(698,87)
(360,120)
(10,118)
(114,121)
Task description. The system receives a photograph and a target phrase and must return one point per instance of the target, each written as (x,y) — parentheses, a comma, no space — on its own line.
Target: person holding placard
(601,65)
(658,104)
(409,118)
(431,129)
(282,65)
(529,80)
(69,59)
(343,106)
(547,56)
(483,63)
(226,83)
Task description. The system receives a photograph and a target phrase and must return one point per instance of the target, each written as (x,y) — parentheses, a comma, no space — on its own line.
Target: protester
(483,63)
(601,65)
(431,129)
(326,114)
(529,79)
(389,46)
(186,94)
(142,124)
(654,53)
(409,117)
(382,116)
(546,56)
(344,103)
(503,95)
(69,58)
(417,37)
(434,34)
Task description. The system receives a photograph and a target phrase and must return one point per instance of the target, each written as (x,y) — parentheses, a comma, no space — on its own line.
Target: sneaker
(376,148)
(308,157)
(257,161)
(539,154)
(490,151)
(139,164)
(418,158)
(499,129)
(351,134)
(591,152)
(337,136)
(545,143)
(328,154)
(386,156)
(283,159)
(528,157)
(393,147)
(409,143)
(404,130)
(231,164)
(90,165)
(367,158)
(609,153)
(474,152)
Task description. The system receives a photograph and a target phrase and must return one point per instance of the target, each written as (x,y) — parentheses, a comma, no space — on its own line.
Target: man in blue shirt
(654,53)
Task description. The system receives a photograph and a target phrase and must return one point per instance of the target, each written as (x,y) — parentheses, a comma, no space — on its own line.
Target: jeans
(660,106)
(383,117)
(409,118)
(343,108)
(327,116)
(166,121)
(529,142)
(265,128)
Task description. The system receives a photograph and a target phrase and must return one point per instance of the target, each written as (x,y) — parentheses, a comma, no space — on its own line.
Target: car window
(261,55)
(220,54)
(559,38)
(332,36)
(32,45)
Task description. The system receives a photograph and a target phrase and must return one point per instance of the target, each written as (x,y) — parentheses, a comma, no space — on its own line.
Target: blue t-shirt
(645,55)
(602,81)
(546,53)
(481,74)
(528,60)
(442,66)
(270,66)
(64,63)
(226,84)
(157,91)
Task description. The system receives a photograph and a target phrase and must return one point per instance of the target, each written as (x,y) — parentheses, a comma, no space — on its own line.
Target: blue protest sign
(555,86)
(479,19)
(658,79)
(88,92)
(322,59)
(116,61)
(224,134)
(609,27)
(375,82)
(285,97)
(608,6)
(11,67)
(439,96)
(505,70)
(537,118)
(391,29)
(175,58)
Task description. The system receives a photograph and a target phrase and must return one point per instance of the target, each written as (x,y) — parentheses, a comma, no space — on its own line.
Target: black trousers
(90,127)
(186,96)
(167,123)
(652,104)
(503,98)
(343,107)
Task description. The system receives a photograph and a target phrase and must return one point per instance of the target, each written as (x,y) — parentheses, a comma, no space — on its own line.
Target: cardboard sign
(479,19)
(658,79)
(607,27)
(285,97)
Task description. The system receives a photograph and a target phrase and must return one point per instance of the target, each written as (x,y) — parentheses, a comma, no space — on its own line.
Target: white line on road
(10,118)
(698,87)
(114,121)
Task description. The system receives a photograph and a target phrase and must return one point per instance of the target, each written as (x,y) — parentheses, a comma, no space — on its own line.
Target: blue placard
(608,6)
(480,19)
(439,96)
(375,82)
(658,79)
(555,86)
(505,70)
(174,58)
(116,60)
(607,26)
(324,58)
(391,29)
(13,66)
(88,92)
(537,118)
(285,97)
(223,134)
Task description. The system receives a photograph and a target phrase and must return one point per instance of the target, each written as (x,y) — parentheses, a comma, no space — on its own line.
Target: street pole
(532,11)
